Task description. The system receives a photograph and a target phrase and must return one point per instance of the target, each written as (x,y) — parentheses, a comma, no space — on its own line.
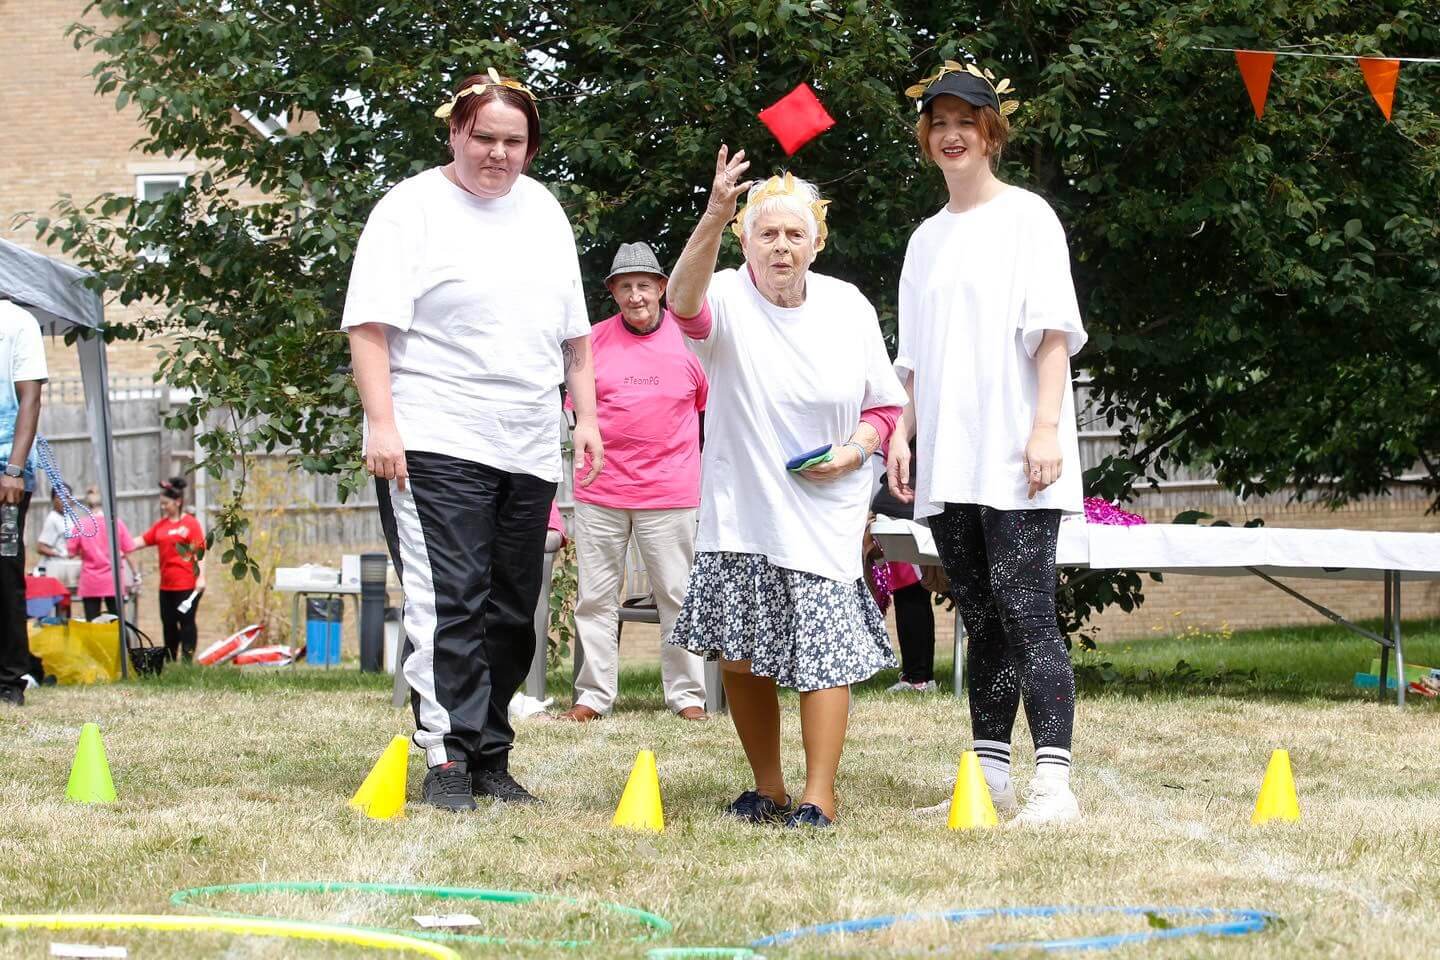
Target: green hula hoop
(657,926)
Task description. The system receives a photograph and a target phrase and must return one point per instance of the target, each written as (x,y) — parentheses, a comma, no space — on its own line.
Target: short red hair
(462,116)
(994,130)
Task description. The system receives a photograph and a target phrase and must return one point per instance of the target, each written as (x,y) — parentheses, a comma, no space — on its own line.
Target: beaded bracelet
(864,454)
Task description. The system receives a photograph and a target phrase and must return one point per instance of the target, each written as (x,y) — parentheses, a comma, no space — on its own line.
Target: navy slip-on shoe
(808,815)
(755,807)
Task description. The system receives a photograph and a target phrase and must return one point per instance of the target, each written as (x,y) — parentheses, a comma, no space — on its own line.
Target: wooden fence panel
(145,452)
(305,511)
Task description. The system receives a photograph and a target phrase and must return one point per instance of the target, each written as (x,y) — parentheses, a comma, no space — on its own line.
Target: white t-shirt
(783,382)
(22,357)
(977,293)
(478,296)
(55,533)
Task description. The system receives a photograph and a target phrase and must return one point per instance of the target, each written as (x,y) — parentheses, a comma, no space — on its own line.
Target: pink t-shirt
(556,521)
(903,575)
(94,553)
(649,391)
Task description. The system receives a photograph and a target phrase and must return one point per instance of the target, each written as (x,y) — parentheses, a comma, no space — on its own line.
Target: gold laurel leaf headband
(443,111)
(778,187)
(917,91)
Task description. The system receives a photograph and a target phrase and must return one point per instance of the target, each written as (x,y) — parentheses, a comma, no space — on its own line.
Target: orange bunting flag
(1255,68)
(1380,76)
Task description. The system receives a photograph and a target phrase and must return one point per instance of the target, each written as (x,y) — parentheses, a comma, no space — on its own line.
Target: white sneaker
(1004,801)
(905,686)
(523,706)
(1048,800)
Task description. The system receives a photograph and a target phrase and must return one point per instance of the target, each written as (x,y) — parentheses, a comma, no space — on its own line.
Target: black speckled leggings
(1001,565)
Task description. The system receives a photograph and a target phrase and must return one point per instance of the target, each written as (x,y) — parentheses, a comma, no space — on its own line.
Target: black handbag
(146,656)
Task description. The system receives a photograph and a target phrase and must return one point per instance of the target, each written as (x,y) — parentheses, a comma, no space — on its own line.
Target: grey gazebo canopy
(55,293)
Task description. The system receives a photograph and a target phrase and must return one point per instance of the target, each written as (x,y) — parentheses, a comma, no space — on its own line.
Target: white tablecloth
(1222,551)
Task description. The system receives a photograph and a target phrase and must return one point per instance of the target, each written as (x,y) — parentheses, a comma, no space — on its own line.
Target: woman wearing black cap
(181,542)
(988,323)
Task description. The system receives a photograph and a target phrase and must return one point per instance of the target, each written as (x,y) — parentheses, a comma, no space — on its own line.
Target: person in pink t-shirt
(649,392)
(97,582)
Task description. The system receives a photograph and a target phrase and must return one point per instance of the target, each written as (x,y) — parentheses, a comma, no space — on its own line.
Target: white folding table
(1269,553)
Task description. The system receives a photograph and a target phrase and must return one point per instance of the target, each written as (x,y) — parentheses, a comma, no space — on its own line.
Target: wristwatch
(13,471)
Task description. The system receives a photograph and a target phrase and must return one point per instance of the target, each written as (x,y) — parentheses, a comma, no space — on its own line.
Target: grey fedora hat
(635,258)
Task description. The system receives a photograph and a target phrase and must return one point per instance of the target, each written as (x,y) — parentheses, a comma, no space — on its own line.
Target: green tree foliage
(1261,296)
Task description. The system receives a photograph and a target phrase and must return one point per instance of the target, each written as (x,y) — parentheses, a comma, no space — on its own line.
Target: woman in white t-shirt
(988,323)
(795,362)
(55,532)
(465,312)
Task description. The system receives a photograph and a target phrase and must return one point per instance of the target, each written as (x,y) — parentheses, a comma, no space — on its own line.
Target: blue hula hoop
(1219,922)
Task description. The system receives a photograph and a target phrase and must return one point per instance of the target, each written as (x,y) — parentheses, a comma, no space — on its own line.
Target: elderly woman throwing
(796,364)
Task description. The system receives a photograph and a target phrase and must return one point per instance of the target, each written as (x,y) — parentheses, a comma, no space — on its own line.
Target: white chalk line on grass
(1276,868)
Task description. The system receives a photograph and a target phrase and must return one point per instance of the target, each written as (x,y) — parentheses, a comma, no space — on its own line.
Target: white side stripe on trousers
(419,584)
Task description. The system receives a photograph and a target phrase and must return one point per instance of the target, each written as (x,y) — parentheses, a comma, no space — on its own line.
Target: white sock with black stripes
(1053,762)
(995,764)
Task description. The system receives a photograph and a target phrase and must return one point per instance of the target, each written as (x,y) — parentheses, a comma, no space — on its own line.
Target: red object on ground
(276,656)
(222,650)
(797,118)
(36,587)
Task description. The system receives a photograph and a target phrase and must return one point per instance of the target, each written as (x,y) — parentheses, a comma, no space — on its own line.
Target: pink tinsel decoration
(879,585)
(1099,511)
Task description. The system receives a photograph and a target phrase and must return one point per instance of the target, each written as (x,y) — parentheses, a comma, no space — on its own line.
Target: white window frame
(271,128)
(143,180)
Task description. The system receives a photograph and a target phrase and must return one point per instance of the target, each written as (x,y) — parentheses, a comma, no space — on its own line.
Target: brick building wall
(62,138)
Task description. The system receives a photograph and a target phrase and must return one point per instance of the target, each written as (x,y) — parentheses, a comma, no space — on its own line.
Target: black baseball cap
(974,90)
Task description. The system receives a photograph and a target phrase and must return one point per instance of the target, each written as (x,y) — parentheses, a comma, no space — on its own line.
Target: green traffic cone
(90,773)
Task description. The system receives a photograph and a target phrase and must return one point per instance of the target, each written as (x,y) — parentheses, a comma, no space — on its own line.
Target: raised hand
(727,189)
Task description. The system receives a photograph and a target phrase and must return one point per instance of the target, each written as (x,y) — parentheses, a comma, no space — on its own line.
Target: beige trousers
(666,542)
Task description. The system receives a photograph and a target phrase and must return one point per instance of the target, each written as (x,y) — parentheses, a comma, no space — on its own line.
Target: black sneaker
(13,695)
(448,787)
(808,815)
(500,785)
(755,807)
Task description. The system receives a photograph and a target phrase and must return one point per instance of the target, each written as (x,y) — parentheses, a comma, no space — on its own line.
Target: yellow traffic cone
(640,807)
(382,795)
(1277,800)
(90,772)
(970,806)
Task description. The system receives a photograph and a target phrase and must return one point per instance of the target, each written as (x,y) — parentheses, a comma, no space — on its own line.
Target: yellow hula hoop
(256,927)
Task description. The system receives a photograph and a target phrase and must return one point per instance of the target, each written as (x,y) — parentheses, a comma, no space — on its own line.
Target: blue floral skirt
(805,631)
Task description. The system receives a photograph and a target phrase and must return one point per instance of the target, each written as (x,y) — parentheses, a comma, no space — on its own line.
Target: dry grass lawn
(227,778)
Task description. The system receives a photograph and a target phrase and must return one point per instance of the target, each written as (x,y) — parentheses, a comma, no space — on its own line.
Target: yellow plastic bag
(79,652)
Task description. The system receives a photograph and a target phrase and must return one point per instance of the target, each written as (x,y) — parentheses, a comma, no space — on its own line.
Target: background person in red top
(180,572)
